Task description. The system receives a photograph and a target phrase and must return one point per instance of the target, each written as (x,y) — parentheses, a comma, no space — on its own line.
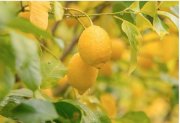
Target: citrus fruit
(118,47)
(24,15)
(81,75)
(95,46)
(108,102)
(106,69)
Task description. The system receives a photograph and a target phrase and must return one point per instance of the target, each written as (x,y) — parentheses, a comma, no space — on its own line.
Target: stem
(98,14)
(80,12)
(78,20)
(118,18)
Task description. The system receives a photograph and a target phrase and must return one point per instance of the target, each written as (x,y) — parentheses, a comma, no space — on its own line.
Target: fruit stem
(67,9)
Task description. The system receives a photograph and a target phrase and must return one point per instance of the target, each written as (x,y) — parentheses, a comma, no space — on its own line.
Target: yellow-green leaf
(135,6)
(159,26)
(142,22)
(173,18)
(150,8)
(58,11)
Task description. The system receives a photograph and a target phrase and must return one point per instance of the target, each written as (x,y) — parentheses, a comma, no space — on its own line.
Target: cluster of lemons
(96,49)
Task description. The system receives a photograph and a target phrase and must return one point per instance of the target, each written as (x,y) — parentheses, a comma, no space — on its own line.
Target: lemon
(94,46)
(63,81)
(118,47)
(108,102)
(106,69)
(145,62)
(81,75)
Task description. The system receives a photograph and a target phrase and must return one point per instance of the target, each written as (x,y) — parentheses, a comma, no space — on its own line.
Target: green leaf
(173,18)
(7,56)
(58,11)
(26,26)
(142,22)
(120,6)
(135,117)
(67,109)
(27,60)
(159,26)
(6,80)
(8,11)
(133,34)
(34,111)
(52,71)
(175,95)
(135,6)
(149,8)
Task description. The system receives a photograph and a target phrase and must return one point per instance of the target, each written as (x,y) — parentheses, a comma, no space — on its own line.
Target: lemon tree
(89,61)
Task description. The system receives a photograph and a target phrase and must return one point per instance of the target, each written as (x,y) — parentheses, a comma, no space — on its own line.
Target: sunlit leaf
(135,117)
(173,18)
(175,10)
(27,60)
(133,34)
(168,4)
(135,6)
(142,22)
(159,26)
(150,8)
(58,11)
(39,13)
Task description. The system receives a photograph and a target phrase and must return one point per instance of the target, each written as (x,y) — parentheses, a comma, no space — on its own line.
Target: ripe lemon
(63,81)
(94,46)
(108,102)
(81,75)
(145,62)
(106,69)
(118,47)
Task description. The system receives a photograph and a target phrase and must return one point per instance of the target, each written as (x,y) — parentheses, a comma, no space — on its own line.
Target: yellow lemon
(108,102)
(94,46)
(145,62)
(81,75)
(106,69)
(118,47)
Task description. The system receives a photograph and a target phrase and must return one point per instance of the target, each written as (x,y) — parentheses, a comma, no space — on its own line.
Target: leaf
(7,56)
(8,11)
(58,11)
(159,26)
(173,18)
(142,22)
(34,111)
(52,71)
(133,34)
(39,13)
(119,6)
(168,4)
(135,6)
(175,10)
(6,80)
(67,108)
(27,61)
(149,8)
(25,26)
(135,117)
